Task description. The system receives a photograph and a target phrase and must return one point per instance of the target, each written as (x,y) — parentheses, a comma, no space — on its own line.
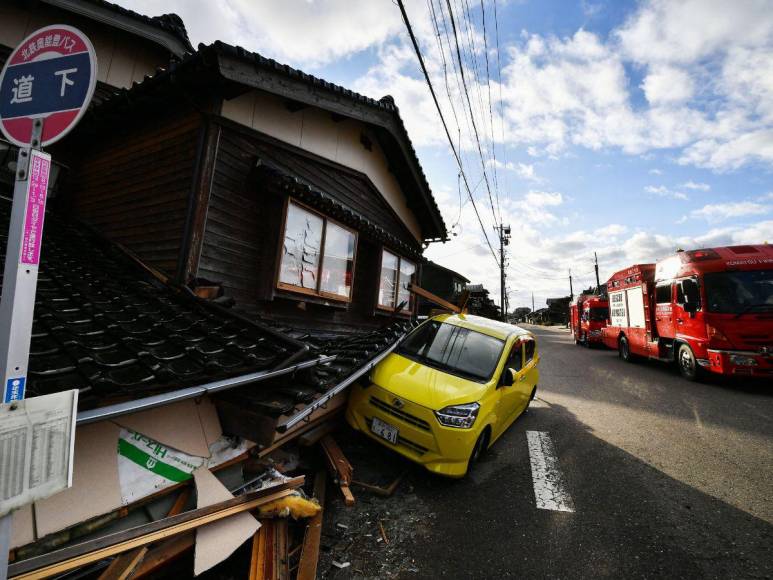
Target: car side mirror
(508,377)
(691,308)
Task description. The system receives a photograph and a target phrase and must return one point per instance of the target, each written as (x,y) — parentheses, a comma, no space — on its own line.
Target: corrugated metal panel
(135,189)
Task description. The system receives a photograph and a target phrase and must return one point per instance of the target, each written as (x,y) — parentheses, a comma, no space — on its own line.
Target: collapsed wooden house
(230,245)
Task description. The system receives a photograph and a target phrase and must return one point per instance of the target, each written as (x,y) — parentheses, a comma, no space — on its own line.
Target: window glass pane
(530,348)
(452,349)
(663,294)
(338,261)
(407,271)
(516,358)
(388,283)
(300,252)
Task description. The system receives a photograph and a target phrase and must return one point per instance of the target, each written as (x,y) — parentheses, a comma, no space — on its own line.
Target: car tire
(479,449)
(624,349)
(688,366)
(531,398)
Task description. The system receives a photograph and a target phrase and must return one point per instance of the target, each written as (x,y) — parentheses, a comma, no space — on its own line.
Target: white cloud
(298,32)
(696,186)
(655,172)
(716,212)
(523,170)
(663,191)
(667,84)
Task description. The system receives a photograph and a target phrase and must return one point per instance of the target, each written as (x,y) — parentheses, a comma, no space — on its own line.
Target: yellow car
(448,391)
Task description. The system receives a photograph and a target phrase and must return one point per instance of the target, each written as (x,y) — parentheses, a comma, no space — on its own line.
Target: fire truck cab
(588,316)
(708,310)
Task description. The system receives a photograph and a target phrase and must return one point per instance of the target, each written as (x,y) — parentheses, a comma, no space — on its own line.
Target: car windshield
(599,314)
(738,292)
(453,349)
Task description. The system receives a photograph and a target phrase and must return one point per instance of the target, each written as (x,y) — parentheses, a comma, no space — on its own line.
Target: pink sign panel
(37,189)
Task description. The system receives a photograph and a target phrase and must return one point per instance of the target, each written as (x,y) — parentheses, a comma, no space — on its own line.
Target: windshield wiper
(753,307)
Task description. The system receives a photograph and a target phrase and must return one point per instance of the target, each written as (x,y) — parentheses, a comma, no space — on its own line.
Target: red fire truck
(587,316)
(708,310)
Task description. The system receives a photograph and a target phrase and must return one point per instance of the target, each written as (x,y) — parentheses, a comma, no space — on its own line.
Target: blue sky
(625,128)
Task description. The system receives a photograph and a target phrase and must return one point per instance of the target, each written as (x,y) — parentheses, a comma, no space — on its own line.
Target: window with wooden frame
(317,255)
(397,273)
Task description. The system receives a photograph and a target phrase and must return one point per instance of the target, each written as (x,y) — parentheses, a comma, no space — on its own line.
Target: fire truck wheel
(688,367)
(624,349)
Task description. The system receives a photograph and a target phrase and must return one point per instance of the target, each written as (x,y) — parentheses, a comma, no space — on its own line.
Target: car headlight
(460,416)
(743,361)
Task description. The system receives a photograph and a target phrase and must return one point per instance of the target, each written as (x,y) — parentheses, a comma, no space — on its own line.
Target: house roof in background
(167,30)
(432,264)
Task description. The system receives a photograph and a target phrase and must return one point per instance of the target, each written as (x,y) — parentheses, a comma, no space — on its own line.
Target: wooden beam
(340,467)
(419,291)
(124,565)
(307,567)
(72,557)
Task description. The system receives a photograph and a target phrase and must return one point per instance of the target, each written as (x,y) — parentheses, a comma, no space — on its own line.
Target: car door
(510,395)
(688,322)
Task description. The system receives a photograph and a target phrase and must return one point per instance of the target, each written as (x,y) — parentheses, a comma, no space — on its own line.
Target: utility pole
(571,292)
(532,302)
(596,267)
(504,240)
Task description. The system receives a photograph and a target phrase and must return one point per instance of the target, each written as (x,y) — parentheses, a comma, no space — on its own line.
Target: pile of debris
(187,411)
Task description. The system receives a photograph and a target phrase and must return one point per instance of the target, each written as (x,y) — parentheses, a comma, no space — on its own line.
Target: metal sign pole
(17,306)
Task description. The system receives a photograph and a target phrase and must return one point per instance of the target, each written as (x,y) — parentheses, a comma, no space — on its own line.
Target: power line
(490,110)
(469,104)
(445,126)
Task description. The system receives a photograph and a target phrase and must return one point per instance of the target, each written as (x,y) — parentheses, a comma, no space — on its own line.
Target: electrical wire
(469,104)
(445,126)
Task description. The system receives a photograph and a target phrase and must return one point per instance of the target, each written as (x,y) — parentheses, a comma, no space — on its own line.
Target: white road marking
(549,487)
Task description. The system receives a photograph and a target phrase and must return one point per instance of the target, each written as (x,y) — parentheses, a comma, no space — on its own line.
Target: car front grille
(402,415)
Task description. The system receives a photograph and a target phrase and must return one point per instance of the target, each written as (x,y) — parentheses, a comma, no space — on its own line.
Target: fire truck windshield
(599,314)
(739,292)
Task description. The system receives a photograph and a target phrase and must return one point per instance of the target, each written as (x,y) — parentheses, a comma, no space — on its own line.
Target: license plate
(384,430)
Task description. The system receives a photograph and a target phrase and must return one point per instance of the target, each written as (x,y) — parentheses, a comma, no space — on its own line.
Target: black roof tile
(106,326)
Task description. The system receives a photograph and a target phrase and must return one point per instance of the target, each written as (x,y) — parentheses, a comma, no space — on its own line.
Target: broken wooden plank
(313,436)
(377,489)
(84,553)
(418,290)
(124,565)
(340,467)
(307,568)
(165,553)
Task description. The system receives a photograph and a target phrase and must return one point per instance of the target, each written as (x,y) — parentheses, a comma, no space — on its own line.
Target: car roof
(495,328)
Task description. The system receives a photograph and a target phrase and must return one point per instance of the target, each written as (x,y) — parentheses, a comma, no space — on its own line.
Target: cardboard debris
(173,426)
(95,489)
(217,541)
(22,529)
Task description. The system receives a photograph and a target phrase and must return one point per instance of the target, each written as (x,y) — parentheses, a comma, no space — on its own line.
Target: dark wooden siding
(241,242)
(135,188)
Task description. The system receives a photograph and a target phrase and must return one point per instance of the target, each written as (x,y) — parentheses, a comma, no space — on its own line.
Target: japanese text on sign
(37,189)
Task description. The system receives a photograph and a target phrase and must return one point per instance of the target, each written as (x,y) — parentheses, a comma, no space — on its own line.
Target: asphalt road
(668,479)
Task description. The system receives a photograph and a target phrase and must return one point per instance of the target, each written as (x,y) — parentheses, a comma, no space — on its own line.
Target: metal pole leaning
(17,305)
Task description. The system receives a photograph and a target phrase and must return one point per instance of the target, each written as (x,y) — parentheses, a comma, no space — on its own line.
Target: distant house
(479,302)
(441,281)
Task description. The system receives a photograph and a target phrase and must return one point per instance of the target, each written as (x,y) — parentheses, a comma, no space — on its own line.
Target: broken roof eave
(247,69)
(106,14)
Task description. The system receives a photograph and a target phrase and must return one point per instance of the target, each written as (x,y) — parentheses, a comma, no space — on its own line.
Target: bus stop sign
(50,76)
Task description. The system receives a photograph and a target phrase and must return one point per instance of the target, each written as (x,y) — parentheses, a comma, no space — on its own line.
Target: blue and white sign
(14,389)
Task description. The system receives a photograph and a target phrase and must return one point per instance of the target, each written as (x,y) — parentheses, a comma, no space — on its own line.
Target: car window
(453,349)
(515,360)
(529,347)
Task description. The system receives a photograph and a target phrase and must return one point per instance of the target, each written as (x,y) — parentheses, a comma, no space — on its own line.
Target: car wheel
(688,366)
(624,349)
(480,448)
(531,398)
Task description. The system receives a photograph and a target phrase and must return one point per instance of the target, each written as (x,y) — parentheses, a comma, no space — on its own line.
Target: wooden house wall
(135,187)
(241,244)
